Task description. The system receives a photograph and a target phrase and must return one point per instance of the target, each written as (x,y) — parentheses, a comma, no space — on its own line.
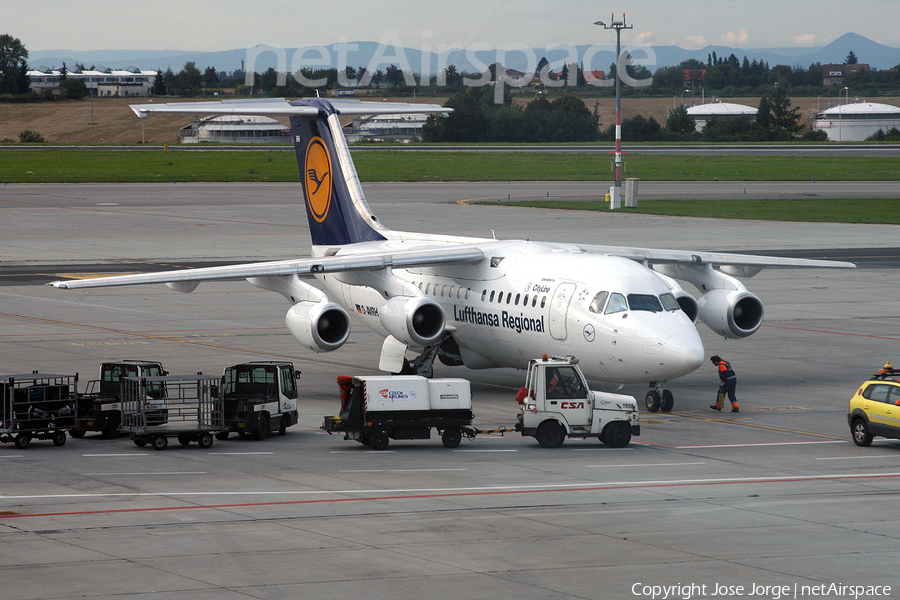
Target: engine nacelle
(320,326)
(731,313)
(415,321)
(688,305)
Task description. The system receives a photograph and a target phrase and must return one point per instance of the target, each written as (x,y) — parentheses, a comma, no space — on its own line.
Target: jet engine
(687,302)
(731,313)
(688,305)
(320,326)
(415,321)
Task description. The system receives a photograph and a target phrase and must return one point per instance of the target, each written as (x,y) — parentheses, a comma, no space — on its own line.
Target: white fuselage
(526,299)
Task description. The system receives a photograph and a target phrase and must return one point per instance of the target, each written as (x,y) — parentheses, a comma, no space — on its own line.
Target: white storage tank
(702,113)
(856,121)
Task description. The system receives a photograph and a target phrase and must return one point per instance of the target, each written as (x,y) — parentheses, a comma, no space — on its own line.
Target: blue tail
(335,204)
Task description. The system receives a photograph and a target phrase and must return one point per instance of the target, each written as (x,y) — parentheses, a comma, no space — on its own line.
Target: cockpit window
(669,302)
(616,304)
(598,303)
(644,302)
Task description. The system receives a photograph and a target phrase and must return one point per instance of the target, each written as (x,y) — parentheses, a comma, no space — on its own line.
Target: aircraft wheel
(550,434)
(667,402)
(651,400)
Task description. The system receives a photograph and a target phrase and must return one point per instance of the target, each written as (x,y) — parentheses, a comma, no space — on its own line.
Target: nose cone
(683,353)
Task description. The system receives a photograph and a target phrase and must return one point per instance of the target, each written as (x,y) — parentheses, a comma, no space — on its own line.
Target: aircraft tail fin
(335,204)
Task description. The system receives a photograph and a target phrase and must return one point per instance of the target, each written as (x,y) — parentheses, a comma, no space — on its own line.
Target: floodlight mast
(616,200)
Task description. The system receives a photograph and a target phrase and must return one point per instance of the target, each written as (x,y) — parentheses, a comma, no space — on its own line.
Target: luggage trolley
(186,407)
(37,405)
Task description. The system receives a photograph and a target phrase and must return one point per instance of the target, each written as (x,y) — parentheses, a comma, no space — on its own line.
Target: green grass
(450,166)
(116,166)
(143,166)
(821,210)
(139,166)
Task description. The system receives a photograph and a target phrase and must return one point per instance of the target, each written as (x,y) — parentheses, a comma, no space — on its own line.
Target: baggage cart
(37,406)
(189,410)
(99,405)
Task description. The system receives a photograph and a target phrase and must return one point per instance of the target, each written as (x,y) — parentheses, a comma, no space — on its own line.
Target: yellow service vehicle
(875,408)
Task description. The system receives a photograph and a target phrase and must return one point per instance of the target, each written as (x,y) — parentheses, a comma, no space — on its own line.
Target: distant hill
(877,55)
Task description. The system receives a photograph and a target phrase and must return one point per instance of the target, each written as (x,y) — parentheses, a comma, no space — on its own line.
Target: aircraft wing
(284,107)
(719,259)
(369,261)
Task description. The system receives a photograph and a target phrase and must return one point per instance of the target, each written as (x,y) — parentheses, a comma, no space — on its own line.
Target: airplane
(476,302)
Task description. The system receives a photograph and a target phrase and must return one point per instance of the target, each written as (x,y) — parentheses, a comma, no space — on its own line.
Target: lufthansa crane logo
(317,175)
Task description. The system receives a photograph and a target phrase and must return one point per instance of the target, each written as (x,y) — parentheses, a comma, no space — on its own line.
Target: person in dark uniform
(727,385)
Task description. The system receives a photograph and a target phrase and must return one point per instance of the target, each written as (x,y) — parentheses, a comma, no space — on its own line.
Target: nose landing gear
(658,398)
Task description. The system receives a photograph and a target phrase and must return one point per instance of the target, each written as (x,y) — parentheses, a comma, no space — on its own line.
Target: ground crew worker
(553,383)
(727,385)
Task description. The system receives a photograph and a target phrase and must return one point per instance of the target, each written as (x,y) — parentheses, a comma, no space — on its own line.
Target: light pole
(682,96)
(616,200)
(841,114)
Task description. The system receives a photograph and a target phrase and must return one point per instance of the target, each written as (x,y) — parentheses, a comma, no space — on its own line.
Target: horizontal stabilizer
(283,106)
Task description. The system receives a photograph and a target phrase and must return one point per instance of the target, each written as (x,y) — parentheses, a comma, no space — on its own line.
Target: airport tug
(555,403)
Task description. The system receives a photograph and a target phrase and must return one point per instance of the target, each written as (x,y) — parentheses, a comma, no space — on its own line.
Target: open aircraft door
(559,308)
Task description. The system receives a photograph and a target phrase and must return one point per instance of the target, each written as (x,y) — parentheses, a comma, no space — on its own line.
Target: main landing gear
(659,399)
(448,351)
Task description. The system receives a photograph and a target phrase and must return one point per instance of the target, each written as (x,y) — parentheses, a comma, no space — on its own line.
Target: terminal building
(702,113)
(102,82)
(235,129)
(385,128)
(856,121)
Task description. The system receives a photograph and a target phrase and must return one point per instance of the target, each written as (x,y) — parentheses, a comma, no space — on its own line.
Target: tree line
(477,118)
(718,75)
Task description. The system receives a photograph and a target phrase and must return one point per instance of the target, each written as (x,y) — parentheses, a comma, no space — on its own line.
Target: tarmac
(712,505)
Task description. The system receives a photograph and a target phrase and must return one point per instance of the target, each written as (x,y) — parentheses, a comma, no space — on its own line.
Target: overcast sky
(207,25)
